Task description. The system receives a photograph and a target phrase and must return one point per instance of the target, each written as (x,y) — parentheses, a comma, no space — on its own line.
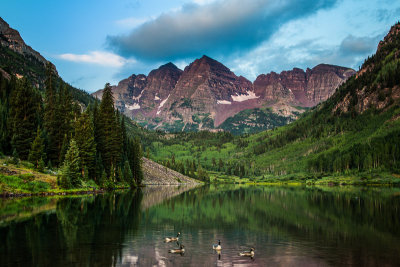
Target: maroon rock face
(302,88)
(208,88)
(203,85)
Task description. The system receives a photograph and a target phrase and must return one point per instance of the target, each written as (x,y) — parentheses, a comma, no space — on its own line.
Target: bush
(27,177)
(109,185)
(89,183)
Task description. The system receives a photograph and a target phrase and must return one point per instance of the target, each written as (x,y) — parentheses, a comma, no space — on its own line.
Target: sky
(93,42)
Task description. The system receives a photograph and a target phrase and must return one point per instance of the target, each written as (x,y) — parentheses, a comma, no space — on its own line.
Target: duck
(170,239)
(247,253)
(181,250)
(217,246)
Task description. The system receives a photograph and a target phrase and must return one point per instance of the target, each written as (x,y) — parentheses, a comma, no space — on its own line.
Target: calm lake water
(287,226)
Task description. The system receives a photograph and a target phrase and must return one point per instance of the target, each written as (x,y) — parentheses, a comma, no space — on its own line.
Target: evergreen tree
(58,118)
(109,135)
(84,136)
(71,176)
(128,174)
(24,111)
(6,87)
(136,161)
(50,116)
(36,153)
(64,149)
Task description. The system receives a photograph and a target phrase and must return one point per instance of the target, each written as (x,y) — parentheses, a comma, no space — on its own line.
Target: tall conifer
(23,117)
(36,154)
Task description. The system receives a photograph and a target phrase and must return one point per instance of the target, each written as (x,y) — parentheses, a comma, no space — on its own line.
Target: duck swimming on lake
(217,246)
(170,239)
(247,253)
(181,250)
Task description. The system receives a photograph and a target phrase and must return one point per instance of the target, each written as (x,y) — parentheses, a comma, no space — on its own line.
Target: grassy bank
(22,180)
(363,178)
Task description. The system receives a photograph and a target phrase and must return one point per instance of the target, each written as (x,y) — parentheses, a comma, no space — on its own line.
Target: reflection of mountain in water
(153,195)
(286,225)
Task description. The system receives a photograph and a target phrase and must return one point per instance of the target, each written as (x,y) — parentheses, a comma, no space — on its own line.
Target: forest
(50,129)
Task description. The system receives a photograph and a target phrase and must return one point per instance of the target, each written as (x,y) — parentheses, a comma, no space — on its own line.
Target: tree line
(51,129)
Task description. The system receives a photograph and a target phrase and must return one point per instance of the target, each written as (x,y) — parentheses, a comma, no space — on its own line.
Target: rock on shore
(156,174)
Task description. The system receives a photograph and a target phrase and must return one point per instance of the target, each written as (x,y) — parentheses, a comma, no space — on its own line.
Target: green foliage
(71,175)
(36,154)
(202,175)
(127,175)
(187,103)
(24,112)
(136,162)
(109,134)
(15,157)
(27,177)
(58,117)
(84,136)
(253,121)
(54,108)
(23,183)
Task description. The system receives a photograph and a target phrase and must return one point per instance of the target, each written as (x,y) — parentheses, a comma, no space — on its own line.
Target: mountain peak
(11,39)
(208,60)
(389,38)
(169,65)
(205,62)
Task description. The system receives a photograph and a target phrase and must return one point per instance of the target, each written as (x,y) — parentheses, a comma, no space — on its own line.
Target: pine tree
(128,174)
(71,176)
(6,87)
(36,154)
(50,119)
(84,136)
(137,171)
(23,117)
(109,135)
(64,148)
(58,118)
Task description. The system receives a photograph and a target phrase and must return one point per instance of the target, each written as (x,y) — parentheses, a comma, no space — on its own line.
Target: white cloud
(203,2)
(309,41)
(98,58)
(131,22)
(214,28)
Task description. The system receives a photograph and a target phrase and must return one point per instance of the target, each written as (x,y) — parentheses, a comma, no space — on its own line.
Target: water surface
(288,226)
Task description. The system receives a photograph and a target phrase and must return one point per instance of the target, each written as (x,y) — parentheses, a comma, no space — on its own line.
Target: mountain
(19,59)
(139,96)
(304,88)
(207,93)
(351,138)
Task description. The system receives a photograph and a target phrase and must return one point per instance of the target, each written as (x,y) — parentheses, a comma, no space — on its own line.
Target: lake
(287,226)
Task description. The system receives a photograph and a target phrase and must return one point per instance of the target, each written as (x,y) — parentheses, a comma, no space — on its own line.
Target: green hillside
(253,121)
(354,133)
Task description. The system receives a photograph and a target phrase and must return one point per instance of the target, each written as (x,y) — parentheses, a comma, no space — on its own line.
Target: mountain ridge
(206,93)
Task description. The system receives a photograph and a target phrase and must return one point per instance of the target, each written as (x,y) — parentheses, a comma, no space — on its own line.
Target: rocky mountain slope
(207,93)
(351,138)
(19,59)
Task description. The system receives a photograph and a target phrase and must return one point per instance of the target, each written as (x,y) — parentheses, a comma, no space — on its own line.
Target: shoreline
(77,192)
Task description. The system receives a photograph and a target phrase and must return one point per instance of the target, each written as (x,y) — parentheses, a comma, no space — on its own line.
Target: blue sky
(92,42)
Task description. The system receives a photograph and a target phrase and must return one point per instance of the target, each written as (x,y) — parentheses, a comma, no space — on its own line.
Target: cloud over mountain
(216,28)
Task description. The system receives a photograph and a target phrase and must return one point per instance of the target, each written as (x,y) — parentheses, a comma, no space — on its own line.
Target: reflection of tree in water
(363,223)
(84,231)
